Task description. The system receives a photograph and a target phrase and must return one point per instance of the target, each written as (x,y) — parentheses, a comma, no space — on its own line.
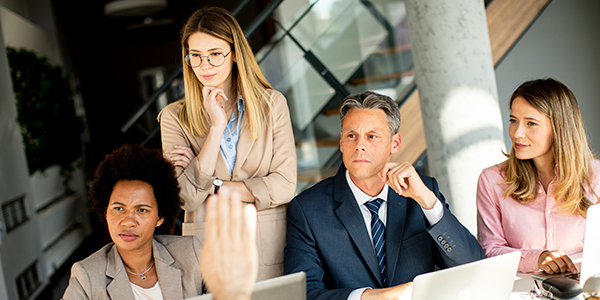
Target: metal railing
(309,56)
(250,29)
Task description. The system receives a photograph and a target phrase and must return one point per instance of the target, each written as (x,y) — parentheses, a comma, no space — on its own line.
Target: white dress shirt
(433,215)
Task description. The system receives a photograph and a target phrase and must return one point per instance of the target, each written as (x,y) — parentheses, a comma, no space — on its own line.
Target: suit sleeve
(455,242)
(301,255)
(79,284)
(195,185)
(490,230)
(279,186)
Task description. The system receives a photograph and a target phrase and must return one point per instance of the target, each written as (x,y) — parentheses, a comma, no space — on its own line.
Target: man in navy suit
(369,230)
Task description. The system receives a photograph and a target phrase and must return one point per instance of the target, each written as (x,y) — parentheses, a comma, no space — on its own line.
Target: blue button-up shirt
(231,136)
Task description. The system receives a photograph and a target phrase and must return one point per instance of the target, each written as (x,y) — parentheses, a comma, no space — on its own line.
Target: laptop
(288,287)
(588,261)
(590,264)
(491,279)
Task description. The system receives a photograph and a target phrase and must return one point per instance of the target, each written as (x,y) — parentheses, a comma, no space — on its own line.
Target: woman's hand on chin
(217,114)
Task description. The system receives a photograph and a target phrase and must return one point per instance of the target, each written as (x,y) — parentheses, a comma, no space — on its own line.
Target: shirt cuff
(356,294)
(529,260)
(435,214)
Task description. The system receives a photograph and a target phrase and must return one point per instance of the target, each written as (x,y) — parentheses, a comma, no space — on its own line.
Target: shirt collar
(241,104)
(362,197)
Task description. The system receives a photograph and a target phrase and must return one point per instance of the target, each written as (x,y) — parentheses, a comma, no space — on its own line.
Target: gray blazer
(103,276)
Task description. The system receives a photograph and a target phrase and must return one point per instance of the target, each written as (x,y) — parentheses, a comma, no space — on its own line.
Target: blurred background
(121,60)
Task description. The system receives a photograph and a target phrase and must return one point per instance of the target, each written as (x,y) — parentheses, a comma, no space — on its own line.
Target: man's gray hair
(372,100)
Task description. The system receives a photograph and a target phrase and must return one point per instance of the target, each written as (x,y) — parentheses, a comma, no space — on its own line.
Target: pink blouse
(504,225)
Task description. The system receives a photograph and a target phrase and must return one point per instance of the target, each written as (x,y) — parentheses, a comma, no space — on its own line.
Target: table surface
(525,282)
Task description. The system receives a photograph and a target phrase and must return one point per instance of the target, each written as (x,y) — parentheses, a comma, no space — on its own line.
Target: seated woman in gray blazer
(134,192)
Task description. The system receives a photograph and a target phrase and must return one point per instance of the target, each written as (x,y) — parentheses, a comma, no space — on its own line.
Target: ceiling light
(133,8)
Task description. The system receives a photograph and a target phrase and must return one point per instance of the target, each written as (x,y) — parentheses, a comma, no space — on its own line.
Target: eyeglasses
(215,59)
(540,293)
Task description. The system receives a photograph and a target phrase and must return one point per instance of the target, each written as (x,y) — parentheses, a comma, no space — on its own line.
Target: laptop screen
(590,264)
(292,287)
(491,279)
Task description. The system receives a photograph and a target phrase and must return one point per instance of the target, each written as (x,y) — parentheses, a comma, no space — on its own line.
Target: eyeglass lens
(215,59)
(540,293)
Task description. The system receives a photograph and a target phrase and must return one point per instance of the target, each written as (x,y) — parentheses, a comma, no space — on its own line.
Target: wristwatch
(217,183)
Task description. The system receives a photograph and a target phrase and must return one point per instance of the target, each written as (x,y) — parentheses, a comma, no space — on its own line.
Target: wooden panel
(508,20)
(412,131)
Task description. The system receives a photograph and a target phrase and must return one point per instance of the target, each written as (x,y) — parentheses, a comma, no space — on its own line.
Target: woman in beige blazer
(134,192)
(231,129)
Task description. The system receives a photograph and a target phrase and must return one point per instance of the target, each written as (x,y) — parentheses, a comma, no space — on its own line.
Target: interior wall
(20,32)
(563,43)
(106,55)
(21,247)
(18,6)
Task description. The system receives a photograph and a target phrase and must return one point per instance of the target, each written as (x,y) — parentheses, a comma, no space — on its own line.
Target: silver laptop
(588,261)
(287,287)
(590,264)
(491,279)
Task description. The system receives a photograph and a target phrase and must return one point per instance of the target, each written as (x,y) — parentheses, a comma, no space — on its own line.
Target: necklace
(142,275)
(228,105)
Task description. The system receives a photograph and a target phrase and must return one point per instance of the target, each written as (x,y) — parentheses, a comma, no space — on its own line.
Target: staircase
(323,50)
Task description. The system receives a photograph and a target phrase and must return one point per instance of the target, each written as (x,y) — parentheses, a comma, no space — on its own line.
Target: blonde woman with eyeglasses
(536,201)
(231,129)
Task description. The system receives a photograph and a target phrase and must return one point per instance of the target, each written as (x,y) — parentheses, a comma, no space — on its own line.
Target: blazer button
(443,242)
(440,238)
(449,249)
(446,246)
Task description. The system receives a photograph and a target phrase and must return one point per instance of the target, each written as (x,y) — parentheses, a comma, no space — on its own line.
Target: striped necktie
(378,234)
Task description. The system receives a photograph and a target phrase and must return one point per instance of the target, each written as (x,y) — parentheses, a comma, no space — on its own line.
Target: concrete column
(459,100)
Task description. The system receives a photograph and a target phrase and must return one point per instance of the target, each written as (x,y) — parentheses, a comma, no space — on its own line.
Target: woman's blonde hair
(247,78)
(573,157)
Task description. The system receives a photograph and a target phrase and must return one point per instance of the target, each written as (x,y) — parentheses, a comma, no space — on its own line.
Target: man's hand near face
(404,179)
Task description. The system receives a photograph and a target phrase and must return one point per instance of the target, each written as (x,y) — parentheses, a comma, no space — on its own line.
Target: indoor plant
(50,127)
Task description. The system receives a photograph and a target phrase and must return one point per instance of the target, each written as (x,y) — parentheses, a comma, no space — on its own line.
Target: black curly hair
(136,162)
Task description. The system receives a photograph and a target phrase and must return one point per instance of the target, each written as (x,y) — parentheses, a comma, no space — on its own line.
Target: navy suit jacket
(327,238)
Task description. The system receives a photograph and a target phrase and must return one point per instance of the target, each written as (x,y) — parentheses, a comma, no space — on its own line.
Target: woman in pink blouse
(536,201)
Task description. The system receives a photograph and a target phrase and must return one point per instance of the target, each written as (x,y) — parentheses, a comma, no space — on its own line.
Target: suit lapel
(350,216)
(119,287)
(396,217)
(169,277)
(221,170)
(245,144)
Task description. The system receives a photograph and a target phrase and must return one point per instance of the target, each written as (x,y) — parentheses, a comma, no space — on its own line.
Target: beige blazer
(267,166)
(103,276)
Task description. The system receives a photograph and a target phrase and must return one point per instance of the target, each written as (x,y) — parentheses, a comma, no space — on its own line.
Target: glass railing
(364,45)
(319,52)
